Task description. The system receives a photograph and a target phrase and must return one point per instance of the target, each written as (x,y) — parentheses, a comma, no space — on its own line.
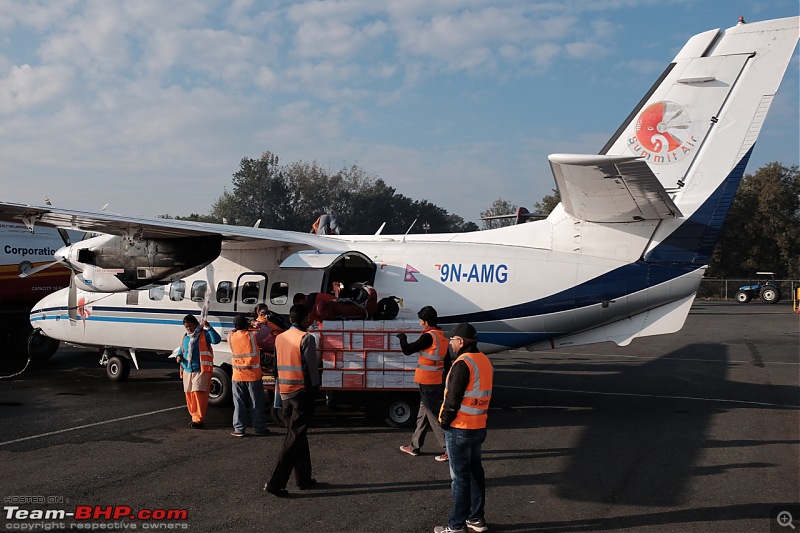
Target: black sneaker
(280,493)
(308,485)
(196,425)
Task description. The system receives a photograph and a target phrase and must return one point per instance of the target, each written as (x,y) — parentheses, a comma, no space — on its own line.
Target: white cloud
(25,86)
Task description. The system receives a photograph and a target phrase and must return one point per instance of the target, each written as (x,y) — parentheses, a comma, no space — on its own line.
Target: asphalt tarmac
(692,431)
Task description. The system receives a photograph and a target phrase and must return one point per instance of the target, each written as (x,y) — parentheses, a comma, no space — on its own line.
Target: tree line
(761,232)
(292,196)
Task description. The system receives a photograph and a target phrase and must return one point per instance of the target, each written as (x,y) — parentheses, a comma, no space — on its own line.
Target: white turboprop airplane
(621,257)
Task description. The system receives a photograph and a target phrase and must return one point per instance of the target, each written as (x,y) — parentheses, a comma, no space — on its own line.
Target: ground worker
(467,395)
(298,382)
(248,388)
(431,348)
(197,364)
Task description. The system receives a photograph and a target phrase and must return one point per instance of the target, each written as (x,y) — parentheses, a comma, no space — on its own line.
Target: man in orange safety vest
(248,388)
(467,394)
(298,382)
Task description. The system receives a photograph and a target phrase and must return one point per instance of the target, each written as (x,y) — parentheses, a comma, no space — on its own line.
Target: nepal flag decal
(410,271)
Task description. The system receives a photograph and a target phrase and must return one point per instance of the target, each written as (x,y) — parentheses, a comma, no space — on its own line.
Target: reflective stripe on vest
(290,360)
(246,361)
(475,405)
(430,365)
(206,354)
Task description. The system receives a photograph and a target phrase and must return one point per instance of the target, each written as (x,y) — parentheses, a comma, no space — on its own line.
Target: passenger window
(250,292)
(279,293)
(132,298)
(199,291)
(177,290)
(225,292)
(156,293)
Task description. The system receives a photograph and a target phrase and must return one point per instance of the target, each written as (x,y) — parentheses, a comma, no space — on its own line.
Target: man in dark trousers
(298,381)
(467,394)
(431,348)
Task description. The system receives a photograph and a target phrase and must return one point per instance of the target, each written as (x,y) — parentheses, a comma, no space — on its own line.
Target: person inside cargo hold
(298,382)
(431,349)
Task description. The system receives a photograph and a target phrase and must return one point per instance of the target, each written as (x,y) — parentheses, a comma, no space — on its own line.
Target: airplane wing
(123,225)
(602,188)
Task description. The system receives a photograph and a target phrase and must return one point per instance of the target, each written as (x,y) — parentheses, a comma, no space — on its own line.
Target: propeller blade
(38,269)
(72,299)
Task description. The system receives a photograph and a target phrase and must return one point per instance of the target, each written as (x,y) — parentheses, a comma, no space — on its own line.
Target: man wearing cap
(467,393)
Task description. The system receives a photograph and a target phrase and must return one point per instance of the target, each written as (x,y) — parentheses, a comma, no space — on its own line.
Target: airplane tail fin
(695,130)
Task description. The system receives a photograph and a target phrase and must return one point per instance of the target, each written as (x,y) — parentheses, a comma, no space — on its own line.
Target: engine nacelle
(111,264)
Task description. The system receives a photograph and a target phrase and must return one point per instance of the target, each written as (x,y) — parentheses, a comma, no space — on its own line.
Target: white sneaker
(448,529)
(478,525)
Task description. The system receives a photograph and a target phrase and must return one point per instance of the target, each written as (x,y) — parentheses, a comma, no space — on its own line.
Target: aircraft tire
(221,393)
(40,346)
(118,368)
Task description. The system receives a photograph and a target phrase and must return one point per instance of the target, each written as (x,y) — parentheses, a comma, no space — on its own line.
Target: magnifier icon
(785,519)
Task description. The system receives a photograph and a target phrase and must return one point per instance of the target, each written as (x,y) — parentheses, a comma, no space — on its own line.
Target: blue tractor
(765,288)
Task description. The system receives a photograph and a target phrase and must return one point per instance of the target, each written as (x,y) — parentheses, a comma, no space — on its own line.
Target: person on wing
(326,224)
(248,389)
(197,364)
(298,382)
(431,348)
(467,394)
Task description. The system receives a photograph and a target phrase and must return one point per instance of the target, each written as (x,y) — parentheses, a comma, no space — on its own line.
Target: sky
(149,106)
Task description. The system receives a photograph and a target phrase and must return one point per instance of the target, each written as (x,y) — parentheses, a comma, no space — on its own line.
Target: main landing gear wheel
(118,368)
(221,389)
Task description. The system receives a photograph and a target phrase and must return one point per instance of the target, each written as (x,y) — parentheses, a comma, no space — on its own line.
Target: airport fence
(726,289)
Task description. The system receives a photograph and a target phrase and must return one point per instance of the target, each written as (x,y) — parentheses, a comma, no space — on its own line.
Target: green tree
(293,196)
(260,190)
(546,205)
(500,207)
(762,230)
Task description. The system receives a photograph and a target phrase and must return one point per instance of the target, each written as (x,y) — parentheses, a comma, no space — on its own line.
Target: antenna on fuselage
(409,229)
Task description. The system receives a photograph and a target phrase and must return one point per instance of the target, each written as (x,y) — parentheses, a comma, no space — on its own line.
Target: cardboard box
(374,341)
(357,341)
(410,362)
(328,359)
(332,325)
(332,379)
(353,380)
(393,360)
(332,341)
(353,360)
(393,380)
(375,360)
(373,325)
(374,380)
(408,381)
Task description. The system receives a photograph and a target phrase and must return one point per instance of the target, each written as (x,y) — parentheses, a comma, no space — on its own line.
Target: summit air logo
(663,134)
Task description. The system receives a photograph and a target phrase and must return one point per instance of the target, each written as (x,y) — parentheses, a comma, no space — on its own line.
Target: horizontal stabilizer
(664,319)
(602,188)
